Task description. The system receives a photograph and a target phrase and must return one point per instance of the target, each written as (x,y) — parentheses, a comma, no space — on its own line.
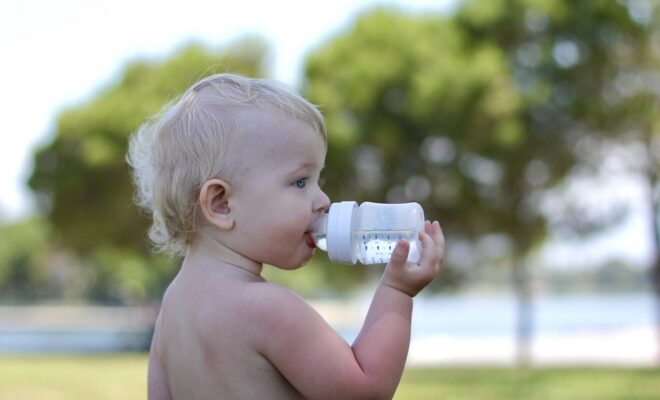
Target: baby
(230,174)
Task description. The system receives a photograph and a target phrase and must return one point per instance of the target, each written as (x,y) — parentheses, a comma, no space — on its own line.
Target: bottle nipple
(319,230)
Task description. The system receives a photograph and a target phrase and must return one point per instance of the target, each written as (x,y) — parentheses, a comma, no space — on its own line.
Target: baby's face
(277,198)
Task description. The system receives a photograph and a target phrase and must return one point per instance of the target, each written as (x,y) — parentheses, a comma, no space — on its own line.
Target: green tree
(24,248)
(82,180)
(627,120)
(585,73)
(476,115)
(84,188)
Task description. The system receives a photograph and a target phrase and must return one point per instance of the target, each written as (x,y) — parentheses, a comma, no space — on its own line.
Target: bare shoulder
(268,295)
(280,318)
(274,304)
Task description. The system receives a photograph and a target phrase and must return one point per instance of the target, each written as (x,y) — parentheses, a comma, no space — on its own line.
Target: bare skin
(225,333)
(205,344)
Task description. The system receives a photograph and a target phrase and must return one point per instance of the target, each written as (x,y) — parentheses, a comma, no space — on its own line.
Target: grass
(124,377)
(530,384)
(73,377)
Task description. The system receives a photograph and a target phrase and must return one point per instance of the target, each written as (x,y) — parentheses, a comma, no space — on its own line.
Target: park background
(528,128)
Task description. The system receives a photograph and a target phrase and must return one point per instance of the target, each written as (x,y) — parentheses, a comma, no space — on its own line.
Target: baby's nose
(323,203)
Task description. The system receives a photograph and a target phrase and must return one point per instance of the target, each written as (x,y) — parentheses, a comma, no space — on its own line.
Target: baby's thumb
(400,254)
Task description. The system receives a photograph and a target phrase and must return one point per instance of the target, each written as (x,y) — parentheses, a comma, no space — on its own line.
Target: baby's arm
(318,362)
(382,345)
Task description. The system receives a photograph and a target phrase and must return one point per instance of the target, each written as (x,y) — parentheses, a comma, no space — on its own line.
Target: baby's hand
(411,278)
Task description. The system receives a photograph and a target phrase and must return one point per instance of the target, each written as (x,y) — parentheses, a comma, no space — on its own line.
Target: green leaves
(82,180)
(23,260)
(473,104)
(476,115)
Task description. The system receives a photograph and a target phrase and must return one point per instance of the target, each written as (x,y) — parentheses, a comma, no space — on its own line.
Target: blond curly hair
(198,137)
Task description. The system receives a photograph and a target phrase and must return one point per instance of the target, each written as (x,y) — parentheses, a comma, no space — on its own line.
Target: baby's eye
(321,182)
(300,183)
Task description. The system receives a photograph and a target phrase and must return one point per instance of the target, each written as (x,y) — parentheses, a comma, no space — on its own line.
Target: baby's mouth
(310,240)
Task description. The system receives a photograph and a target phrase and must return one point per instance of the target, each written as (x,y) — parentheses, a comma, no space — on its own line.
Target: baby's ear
(214,202)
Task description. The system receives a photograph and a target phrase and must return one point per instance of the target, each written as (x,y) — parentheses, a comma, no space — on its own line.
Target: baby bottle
(370,232)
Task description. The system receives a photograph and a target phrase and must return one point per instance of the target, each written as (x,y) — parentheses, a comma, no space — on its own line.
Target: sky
(58,53)
(55,54)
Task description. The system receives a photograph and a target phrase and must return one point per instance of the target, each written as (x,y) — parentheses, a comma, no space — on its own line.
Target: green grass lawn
(73,377)
(124,377)
(532,384)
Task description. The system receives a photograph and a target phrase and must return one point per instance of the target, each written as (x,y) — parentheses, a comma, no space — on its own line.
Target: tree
(24,275)
(82,180)
(84,188)
(585,71)
(626,124)
(475,115)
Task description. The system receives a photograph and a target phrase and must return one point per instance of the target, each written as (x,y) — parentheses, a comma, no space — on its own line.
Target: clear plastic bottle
(370,232)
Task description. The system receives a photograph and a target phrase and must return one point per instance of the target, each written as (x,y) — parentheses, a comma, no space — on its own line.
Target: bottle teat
(319,230)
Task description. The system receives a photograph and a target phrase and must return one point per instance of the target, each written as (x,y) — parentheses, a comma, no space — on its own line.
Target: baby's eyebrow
(305,167)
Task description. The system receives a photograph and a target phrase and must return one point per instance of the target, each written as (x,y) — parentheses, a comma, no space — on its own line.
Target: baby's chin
(294,264)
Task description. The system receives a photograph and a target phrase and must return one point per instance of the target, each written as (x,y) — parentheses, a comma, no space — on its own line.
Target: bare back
(203,347)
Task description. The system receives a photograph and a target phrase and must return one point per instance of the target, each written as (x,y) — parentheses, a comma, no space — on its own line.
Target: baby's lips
(310,240)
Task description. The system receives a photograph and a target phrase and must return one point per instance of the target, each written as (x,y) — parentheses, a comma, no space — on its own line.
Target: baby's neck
(208,253)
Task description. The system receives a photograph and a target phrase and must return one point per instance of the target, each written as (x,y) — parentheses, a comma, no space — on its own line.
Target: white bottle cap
(341,218)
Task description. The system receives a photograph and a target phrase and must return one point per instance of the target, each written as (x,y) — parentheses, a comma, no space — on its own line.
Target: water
(585,329)
(375,247)
(73,341)
(495,315)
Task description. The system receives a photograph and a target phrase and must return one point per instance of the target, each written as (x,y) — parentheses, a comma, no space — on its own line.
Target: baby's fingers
(439,239)
(431,256)
(435,231)
(428,227)
(400,254)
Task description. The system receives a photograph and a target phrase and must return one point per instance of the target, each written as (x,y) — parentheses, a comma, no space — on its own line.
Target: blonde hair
(190,141)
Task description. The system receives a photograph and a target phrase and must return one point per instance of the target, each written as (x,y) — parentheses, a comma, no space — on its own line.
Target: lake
(585,329)
(462,329)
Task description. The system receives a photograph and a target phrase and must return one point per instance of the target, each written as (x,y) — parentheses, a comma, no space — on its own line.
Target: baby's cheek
(283,229)
(293,226)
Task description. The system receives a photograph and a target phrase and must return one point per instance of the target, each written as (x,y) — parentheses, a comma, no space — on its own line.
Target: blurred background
(529,128)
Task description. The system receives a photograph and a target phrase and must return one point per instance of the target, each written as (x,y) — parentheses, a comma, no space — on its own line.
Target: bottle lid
(341,218)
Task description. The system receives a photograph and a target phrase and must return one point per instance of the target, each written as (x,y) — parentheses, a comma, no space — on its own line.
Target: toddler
(230,174)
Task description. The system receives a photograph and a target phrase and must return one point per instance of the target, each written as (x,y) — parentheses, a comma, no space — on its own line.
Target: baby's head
(207,133)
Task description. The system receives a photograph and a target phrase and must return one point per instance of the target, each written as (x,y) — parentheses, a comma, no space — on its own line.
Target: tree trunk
(655,273)
(524,312)
(655,267)
(653,178)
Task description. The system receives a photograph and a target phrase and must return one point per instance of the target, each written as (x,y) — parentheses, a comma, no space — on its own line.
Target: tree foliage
(24,247)
(475,115)
(82,180)
(81,177)
(478,115)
